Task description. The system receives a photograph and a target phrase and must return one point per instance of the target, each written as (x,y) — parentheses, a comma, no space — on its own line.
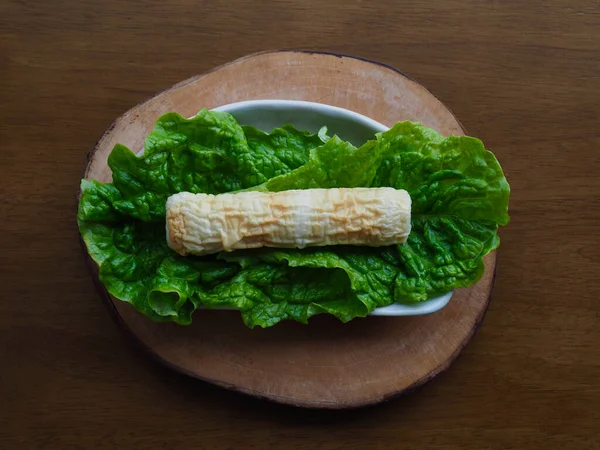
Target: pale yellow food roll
(201,224)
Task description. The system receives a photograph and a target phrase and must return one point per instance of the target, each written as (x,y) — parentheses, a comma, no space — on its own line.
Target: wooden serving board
(325,364)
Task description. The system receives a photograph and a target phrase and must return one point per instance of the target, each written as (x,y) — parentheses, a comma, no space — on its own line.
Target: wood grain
(522,76)
(325,364)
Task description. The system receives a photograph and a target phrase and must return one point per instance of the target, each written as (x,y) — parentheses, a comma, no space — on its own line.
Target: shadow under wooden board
(325,364)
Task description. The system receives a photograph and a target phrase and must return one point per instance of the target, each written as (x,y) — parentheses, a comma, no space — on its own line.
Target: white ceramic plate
(349,126)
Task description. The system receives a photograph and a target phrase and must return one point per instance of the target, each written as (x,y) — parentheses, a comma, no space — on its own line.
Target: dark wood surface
(522,76)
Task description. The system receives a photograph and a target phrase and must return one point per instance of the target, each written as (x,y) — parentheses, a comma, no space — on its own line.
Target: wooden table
(522,76)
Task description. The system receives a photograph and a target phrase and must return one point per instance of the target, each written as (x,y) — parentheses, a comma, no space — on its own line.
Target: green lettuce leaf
(459,195)
(287,144)
(208,153)
(137,266)
(453,176)
(96,202)
(334,164)
(268,293)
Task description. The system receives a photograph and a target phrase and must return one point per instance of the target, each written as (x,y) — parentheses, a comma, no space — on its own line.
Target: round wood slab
(325,364)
